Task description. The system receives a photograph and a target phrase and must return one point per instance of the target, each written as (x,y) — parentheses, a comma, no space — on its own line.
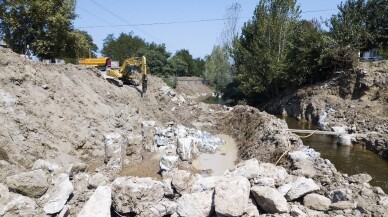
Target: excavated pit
(217,163)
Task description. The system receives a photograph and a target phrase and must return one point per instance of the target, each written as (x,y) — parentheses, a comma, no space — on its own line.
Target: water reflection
(347,159)
(220,161)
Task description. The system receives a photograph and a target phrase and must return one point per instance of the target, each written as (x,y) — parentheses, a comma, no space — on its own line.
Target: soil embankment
(356,100)
(73,144)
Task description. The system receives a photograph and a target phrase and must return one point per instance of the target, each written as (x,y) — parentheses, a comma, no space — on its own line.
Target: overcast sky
(179,24)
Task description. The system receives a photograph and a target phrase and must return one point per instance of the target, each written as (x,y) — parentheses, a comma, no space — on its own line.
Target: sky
(194,25)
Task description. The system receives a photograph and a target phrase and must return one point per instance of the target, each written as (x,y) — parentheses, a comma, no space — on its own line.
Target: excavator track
(132,82)
(116,81)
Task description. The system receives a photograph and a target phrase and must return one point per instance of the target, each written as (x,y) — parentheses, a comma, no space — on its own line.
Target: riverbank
(347,159)
(354,101)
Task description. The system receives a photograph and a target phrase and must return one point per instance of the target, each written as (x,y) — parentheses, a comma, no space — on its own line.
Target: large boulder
(265,181)
(383,201)
(251,209)
(231,196)
(168,162)
(270,200)
(163,208)
(45,165)
(99,203)
(57,195)
(206,183)
(97,180)
(301,187)
(113,150)
(31,184)
(248,169)
(342,205)
(316,202)
(75,168)
(182,181)
(4,193)
(360,178)
(15,205)
(148,135)
(195,204)
(134,195)
(295,211)
(303,161)
(268,170)
(252,169)
(186,149)
(284,189)
(7,169)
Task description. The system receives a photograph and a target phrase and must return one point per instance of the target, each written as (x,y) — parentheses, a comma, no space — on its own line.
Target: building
(370,55)
(2,43)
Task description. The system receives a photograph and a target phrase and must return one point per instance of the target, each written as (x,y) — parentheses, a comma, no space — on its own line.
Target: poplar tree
(260,52)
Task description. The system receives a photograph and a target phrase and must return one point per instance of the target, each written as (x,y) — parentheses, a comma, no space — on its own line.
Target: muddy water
(220,161)
(347,159)
(216,100)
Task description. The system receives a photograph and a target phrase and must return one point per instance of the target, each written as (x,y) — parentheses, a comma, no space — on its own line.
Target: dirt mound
(192,86)
(258,134)
(59,112)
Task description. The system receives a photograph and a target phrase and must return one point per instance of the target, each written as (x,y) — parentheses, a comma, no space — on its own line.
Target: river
(347,159)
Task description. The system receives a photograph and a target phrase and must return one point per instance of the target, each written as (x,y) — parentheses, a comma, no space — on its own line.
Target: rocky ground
(73,144)
(355,101)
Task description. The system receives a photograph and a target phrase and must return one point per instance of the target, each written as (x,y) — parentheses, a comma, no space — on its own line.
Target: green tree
(195,67)
(304,53)
(218,69)
(198,67)
(44,25)
(178,66)
(185,56)
(84,45)
(348,26)
(123,47)
(260,52)
(361,24)
(157,58)
(377,23)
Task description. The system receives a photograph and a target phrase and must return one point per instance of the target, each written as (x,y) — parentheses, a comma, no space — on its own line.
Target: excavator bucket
(144,85)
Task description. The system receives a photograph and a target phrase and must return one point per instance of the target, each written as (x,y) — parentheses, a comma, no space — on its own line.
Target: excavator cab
(127,73)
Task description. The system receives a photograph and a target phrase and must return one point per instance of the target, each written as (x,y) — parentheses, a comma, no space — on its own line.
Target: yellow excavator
(127,74)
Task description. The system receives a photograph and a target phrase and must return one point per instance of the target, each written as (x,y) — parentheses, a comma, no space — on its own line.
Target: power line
(90,13)
(122,19)
(112,13)
(162,23)
(318,11)
(183,22)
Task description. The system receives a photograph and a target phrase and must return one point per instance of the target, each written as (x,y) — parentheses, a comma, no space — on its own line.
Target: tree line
(159,60)
(46,27)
